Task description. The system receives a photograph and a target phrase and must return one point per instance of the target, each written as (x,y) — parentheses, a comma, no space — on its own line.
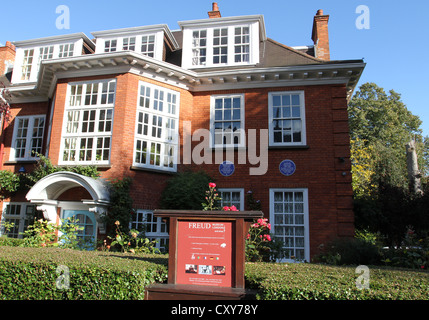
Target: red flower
(226,208)
(212,185)
(233,208)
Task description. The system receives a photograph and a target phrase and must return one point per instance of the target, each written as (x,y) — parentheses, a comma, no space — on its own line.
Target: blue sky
(393,47)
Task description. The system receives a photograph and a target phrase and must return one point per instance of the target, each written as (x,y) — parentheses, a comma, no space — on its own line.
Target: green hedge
(322,282)
(31,274)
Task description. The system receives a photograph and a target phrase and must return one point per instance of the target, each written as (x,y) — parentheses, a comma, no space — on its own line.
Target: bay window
(88,123)
(157,121)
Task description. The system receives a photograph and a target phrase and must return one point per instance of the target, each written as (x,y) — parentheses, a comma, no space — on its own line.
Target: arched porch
(46,194)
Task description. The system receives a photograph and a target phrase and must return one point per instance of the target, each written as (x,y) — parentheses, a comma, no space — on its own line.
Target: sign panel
(204,253)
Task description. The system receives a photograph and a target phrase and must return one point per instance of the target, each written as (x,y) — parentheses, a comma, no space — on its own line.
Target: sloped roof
(275,54)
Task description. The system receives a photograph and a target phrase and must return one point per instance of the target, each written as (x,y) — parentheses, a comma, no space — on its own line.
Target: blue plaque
(226,168)
(287,167)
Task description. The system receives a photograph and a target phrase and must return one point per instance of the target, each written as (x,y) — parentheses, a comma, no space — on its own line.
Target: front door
(86,220)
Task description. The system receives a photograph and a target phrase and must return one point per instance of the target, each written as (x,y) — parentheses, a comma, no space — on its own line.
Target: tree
(383,125)
(380,128)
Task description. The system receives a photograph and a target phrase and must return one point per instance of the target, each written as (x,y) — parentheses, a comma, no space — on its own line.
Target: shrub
(350,251)
(305,281)
(9,183)
(186,191)
(32,274)
(121,205)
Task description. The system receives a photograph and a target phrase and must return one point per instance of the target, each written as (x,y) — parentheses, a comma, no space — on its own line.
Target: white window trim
(253,45)
(163,141)
(242,121)
(153,235)
(270,119)
(82,107)
(306,219)
(28,138)
(158,43)
(21,217)
(240,190)
(35,66)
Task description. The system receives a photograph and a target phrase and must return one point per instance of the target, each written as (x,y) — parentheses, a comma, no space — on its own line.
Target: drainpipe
(3,127)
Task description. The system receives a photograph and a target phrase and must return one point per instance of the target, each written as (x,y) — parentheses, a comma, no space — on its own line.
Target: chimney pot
(319,12)
(215,13)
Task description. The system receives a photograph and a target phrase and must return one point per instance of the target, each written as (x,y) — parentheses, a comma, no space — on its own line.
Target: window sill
(13,162)
(289,147)
(98,166)
(222,148)
(153,170)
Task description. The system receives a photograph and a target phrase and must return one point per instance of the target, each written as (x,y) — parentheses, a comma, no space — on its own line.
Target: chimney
(7,57)
(320,36)
(215,13)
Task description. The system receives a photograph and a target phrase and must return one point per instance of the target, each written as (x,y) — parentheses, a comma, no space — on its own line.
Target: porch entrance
(85,219)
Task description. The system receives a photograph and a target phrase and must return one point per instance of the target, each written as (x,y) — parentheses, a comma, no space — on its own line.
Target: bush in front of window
(9,183)
(185,191)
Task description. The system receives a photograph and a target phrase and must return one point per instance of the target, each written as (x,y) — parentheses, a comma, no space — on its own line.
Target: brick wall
(323,168)
(320,167)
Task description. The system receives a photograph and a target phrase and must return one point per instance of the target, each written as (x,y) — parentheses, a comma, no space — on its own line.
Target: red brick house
(217,95)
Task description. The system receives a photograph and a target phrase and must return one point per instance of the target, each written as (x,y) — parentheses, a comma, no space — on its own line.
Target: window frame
(27,64)
(76,104)
(231,190)
(140,219)
(305,224)
(28,138)
(165,137)
(213,120)
(23,219)
(303,141)
(252,45)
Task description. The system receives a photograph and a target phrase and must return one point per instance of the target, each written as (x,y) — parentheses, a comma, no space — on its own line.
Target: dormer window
(241,44)
(110,45)
(129,44)
(148,45)
(46,53)
(66,50)
(199,47)
(220,46)
(152,41)
(222,42)
(27,64)
(31,53)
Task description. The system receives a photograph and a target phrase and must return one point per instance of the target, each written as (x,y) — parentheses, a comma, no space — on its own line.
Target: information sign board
(204,253)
